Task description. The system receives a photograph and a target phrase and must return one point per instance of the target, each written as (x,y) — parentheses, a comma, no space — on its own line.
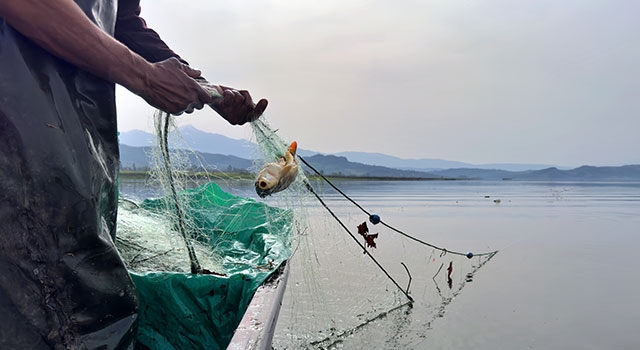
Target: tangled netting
(346,290)
(355,278)
(196,253)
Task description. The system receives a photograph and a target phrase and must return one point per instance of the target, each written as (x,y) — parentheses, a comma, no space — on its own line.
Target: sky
(497,81)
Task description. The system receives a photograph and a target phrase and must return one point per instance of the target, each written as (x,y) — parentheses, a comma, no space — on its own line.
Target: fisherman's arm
(60,27)
(236,107)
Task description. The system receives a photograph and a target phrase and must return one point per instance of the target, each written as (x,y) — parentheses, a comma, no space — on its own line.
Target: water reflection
(574,242)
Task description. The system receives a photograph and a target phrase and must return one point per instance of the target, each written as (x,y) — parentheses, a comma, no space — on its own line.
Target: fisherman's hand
(170,86)
(236,106)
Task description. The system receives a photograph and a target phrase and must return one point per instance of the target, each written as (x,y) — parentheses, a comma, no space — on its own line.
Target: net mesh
(150,233)
(335,295)
(233,243)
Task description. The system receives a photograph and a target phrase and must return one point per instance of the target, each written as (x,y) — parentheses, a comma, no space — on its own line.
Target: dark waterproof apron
(62,282)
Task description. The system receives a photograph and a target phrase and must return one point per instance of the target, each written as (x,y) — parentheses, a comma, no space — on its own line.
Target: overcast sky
(548,82)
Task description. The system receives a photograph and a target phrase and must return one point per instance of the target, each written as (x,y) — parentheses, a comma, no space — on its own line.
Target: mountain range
(218,152)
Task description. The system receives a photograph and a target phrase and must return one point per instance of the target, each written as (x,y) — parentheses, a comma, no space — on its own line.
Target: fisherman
(62,282)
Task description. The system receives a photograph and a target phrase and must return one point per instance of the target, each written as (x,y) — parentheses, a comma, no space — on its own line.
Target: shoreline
(145,175)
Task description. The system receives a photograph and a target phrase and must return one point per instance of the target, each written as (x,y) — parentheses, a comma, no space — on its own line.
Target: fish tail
(293,148)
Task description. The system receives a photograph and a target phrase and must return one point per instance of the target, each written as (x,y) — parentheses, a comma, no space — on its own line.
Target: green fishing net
(239,242)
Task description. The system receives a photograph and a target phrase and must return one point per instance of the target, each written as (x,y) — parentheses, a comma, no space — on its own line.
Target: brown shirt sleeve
(132,30)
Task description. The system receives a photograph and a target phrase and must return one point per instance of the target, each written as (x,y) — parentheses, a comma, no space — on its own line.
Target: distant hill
(139,158)
(431,164)
(223,153)
(399,163)
(584,173)
(340,166)
(196,140)
(218,144)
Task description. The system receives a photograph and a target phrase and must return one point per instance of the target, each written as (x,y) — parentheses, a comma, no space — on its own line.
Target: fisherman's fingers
(237,107)
(258,110)
(171,87)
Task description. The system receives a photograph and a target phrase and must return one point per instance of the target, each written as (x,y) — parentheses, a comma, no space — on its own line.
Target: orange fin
(293,148)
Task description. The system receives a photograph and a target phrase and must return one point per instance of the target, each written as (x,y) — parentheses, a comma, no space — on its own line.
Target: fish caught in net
(196,253)
(350,282)
(355,278)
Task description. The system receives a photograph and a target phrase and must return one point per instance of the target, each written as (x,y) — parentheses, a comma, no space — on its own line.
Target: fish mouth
(266,184)
(260,189)
(263,192)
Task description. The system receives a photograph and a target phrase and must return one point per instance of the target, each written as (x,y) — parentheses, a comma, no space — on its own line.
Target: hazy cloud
(474,81)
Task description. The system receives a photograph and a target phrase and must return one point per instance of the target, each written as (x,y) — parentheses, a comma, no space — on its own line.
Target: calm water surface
(566,276)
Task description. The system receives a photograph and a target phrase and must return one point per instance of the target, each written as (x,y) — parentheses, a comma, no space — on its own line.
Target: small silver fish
(275,177)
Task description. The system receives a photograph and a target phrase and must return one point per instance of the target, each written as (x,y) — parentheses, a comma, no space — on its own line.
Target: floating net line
(335,295)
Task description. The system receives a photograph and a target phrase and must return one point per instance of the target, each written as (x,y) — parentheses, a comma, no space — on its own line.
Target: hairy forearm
(60,27)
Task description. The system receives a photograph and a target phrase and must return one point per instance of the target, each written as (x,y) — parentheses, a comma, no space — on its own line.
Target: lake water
(566,275)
